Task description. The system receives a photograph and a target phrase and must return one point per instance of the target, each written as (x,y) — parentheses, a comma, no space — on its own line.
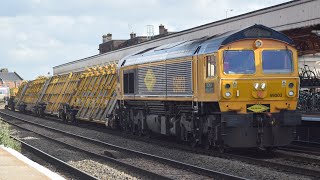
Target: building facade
(9,79)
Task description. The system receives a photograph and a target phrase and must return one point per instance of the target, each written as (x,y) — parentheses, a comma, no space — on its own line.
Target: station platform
(14,166)
(311,117)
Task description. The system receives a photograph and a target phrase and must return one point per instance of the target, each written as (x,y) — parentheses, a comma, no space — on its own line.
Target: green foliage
(5,138)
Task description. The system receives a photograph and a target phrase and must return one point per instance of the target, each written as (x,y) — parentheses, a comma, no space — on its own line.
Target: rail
(57,162)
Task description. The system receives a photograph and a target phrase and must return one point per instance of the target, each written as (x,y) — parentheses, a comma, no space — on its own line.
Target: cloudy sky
(36,35)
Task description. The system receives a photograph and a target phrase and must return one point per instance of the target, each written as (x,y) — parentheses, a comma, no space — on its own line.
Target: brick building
(9,79)
(108,44)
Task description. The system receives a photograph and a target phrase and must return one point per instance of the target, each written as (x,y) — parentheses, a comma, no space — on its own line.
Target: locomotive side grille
(152,80)
(173,79)
(179,78)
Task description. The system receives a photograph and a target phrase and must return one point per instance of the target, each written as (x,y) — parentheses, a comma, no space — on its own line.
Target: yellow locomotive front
(259,92)
(252,76)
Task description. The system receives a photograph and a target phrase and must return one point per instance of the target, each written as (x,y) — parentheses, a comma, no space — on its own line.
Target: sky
(36,35)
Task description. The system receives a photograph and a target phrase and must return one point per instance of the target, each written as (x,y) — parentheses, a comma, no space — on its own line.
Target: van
(4,93)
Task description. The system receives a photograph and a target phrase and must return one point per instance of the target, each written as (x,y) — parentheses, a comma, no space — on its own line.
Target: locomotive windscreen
(277,61)
(238,62)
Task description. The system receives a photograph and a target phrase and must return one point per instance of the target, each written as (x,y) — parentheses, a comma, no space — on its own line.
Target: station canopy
(306,39)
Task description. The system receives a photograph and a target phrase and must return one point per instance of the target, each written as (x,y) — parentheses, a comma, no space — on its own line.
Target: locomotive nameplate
(257,108)
(209,87)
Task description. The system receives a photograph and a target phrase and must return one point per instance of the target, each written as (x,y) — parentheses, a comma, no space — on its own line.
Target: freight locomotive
(238,89)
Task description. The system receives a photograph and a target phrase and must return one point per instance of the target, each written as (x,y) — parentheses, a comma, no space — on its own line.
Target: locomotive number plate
(257,108)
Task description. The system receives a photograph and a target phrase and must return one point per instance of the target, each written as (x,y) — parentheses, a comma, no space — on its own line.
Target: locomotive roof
(203,45)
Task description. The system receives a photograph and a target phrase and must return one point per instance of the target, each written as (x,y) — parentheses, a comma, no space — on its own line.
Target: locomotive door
(207,85)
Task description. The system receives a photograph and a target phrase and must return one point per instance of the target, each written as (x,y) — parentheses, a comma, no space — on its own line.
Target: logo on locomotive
(257,108)
(150,80)
(179,84)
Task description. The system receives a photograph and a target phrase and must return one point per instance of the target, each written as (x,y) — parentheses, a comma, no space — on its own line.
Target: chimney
(109,36)
(4,70)
(132,35)
(106,38)
(161,29)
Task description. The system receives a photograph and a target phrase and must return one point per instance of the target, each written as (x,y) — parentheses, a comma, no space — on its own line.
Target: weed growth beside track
(5,138)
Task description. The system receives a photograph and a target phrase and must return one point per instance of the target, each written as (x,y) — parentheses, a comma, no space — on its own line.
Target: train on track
(238,89)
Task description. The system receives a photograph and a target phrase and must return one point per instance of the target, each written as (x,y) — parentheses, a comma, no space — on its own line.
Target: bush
(5,138)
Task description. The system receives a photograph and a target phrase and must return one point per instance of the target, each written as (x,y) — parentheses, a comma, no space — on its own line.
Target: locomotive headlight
(227,86)
(258,43)
(256,86)
(290,85)
(263,86)
(290,93)
(228,94)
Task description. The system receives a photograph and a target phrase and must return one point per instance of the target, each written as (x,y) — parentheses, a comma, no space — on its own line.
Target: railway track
(77,173)
(297,157)
(282,162)
(304,147)
(162,165)
(276,163)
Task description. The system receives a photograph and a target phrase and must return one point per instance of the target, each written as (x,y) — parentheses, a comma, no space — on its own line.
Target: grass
(5,138)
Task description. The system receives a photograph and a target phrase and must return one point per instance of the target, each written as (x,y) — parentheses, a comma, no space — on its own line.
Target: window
(211,66)
(131,82)
(277,61)
(125,83)
(128,83)
(4,90)
(239,62)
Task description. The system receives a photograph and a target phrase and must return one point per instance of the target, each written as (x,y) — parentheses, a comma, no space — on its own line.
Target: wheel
(269,150)
(36,112)
(12,108)
(64,117)
(133,128)
(41,112)
(22,109)
(139,129)
(74,119)
(6,107)
(128,128)
(149,134)
(183,134)
(178,134)
(193,141)
(206,143)
(221,148)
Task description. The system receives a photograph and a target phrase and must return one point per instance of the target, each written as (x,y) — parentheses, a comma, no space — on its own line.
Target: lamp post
(228,11)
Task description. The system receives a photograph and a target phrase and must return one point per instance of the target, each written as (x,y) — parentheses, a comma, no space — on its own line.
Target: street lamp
(228,11)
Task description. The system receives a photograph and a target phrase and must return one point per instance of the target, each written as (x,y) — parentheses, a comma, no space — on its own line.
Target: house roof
(10,76)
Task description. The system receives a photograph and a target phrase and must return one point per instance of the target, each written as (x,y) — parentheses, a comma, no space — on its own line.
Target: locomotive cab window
(239,62)
(211,65)
(128,83)
(277,61)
